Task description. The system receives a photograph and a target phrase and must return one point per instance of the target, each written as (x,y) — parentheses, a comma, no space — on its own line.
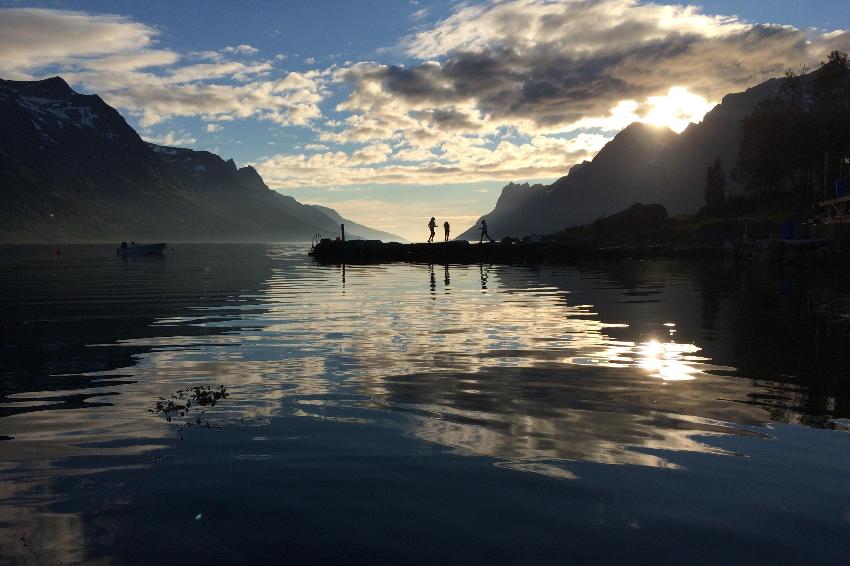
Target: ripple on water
(536,369)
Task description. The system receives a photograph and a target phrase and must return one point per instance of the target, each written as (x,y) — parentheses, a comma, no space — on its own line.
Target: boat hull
(142,249)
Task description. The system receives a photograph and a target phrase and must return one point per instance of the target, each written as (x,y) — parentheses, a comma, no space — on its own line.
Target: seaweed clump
(190,400)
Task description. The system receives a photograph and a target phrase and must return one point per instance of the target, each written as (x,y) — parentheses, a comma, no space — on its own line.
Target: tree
(715,184)
(775,146)
(784,139)
(831,80)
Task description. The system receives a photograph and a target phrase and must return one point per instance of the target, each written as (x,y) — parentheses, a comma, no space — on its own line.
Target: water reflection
(531,371)
(638,341)
(536,368)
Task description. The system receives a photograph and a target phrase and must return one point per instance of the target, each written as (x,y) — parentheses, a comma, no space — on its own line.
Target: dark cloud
(551,86)
(557,63)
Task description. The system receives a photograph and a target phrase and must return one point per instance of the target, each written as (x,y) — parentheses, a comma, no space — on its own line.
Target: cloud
(241,50)
(458,160)
(552,74)
(116,57)
(421,13)
(155,98)
(213,127)
(375,153)
(170,138)
(206,71)
(32,37)
(545,66)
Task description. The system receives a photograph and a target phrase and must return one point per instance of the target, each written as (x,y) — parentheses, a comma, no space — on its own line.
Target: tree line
(792,141)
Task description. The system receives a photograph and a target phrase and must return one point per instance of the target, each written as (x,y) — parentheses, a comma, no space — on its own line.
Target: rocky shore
(793,252)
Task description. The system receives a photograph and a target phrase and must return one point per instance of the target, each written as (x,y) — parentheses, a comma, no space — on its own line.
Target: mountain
(72,169)
(363,232)
(641,164)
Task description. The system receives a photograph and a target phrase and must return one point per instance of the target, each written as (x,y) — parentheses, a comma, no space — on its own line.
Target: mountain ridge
(640,164)
(73,170)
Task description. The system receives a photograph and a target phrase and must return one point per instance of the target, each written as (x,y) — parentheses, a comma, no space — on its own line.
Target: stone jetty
(802,253)
(507,251)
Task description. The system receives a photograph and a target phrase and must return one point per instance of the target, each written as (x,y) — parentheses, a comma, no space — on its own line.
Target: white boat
(141,249)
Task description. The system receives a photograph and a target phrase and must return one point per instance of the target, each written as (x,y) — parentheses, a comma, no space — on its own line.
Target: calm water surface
(644,411)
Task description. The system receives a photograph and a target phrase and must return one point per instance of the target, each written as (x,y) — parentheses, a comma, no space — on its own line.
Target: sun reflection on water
(527,370)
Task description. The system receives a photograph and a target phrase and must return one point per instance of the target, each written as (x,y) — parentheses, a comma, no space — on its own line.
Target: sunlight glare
(677,109)
(669,360)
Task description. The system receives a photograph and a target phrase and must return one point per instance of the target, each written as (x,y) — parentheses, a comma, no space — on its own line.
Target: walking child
(484,232)
(431,226)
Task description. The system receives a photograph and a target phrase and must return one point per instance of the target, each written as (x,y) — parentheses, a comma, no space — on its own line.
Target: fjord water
(642,411)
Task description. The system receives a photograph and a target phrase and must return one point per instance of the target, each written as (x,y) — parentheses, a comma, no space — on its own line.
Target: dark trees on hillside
(715,184)
(784,139)
(776,149)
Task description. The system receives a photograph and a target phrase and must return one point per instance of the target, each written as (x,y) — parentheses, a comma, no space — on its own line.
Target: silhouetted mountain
(641,164)
(72,169)
(353,227)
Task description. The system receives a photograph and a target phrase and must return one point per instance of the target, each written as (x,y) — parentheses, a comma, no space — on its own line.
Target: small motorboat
(133,249)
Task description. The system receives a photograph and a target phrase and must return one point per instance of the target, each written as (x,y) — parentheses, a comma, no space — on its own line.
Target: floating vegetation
(192,400)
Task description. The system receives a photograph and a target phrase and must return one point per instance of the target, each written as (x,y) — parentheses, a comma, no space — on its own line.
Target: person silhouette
(484,232)
(431,226)
(447,229)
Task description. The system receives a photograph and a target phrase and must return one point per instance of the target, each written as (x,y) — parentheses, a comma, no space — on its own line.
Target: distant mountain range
(641,164)
(73,170)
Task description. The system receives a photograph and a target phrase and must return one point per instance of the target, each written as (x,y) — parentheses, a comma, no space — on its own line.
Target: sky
(395,111)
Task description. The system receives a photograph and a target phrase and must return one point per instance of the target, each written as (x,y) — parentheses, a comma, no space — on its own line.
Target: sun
(676,109)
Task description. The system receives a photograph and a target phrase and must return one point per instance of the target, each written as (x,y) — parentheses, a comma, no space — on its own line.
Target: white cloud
(375,153)
(220,69)
(241,50)
(460,160)
(170,138)
(421,13)
(33,37)
(214,127)
(116,57)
